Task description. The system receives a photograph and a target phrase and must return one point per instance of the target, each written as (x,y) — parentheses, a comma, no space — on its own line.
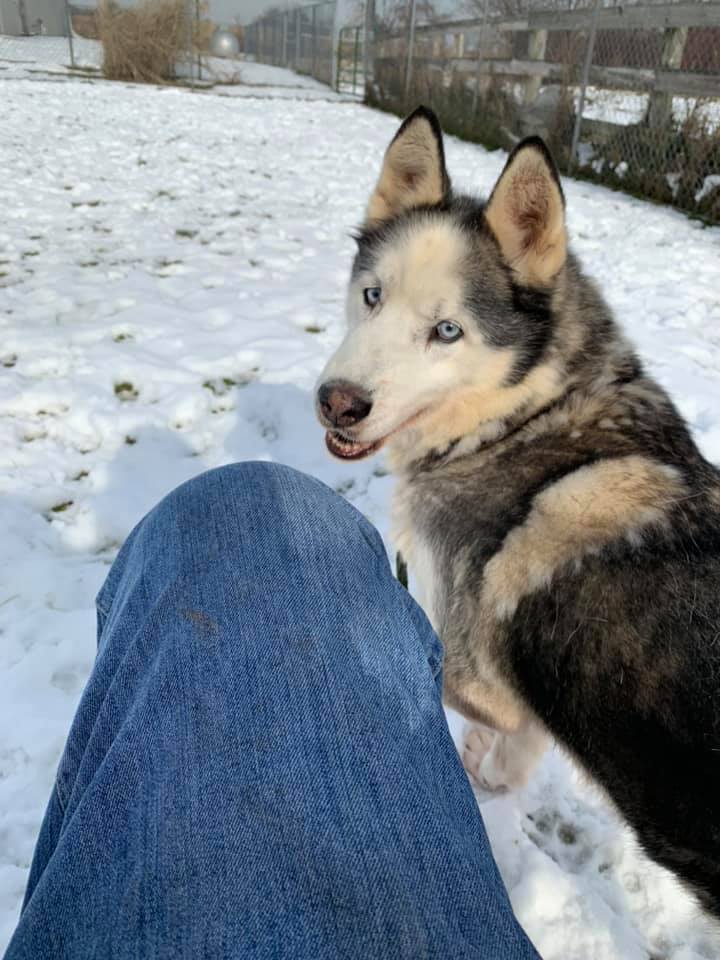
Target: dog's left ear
(413,172)
(526,212)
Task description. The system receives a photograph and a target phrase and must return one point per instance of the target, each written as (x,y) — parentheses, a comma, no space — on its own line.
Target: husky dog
(561,522)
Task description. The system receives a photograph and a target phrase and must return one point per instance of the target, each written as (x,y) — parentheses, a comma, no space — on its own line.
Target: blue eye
(447,331)
(371,296)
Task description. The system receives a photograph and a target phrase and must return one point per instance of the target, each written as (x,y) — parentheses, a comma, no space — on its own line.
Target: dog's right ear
(413,172)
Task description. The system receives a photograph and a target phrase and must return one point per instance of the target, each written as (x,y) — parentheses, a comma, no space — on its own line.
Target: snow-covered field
(50,56)
(172,271)
(624,107)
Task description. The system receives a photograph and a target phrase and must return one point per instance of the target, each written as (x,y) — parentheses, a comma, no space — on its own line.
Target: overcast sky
(226,11)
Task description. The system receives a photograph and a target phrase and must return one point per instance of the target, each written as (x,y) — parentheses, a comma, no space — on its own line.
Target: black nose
(343,404)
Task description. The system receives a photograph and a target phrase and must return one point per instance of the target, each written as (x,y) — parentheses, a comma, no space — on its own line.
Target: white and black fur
(549,496)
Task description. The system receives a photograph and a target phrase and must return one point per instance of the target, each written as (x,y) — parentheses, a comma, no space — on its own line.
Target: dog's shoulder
(585,511)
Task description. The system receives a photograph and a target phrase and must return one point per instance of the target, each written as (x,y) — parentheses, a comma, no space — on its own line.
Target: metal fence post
(356,58)
(368,65)
(189,5)
(197,39)
(298,41)
(334,44)
(583,86)
(68,18)
(410,48)
(285,38)
(22,13)
(478,69)
(313,40)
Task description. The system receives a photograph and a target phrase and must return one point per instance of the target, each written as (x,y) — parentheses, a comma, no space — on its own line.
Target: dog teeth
(343,446)
(342,441)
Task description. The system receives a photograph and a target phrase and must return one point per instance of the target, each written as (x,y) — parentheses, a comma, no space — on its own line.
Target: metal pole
(410,47)
(368,67)
(22,13)
(188,40)
(584,81)
(334,38)
(313,47)
(298,25)
(356,59)
(481,38)
(284,39)
(197,35)
(68,17)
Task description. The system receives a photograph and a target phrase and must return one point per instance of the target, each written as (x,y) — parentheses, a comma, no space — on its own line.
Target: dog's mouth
(347,449)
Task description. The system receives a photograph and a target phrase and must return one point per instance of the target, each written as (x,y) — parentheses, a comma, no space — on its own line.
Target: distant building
(22,18)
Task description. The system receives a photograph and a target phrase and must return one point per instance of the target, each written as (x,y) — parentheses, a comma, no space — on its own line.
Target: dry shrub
(85,25)
(202,34)
(142,43)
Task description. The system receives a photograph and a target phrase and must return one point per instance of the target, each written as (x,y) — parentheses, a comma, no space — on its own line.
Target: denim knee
(233,494)
(221,512)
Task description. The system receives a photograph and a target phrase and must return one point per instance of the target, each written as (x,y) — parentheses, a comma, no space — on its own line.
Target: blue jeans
(260,765)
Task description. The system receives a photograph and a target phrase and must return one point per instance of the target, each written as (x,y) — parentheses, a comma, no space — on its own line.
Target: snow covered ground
(172,272)
(37,56)
(625,107)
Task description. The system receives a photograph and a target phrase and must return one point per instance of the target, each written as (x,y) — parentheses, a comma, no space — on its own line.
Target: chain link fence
(303,38)
(625,95)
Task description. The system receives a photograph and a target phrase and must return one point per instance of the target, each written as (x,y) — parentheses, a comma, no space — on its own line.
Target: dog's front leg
(504,741)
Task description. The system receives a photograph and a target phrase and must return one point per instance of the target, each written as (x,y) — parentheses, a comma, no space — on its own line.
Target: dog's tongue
(346,449)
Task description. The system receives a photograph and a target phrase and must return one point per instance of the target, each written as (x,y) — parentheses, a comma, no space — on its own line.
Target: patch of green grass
(126,391)
(85,203)
(88,263)
(80,476)
(121,337)
(311,328)
(10,359)
(219,386)
(185,233)
(61,507)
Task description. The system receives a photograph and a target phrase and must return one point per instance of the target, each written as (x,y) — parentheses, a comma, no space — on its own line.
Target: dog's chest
(412,542)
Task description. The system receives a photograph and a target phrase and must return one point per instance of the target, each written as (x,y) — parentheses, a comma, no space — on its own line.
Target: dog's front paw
(499,762)
(477,760)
